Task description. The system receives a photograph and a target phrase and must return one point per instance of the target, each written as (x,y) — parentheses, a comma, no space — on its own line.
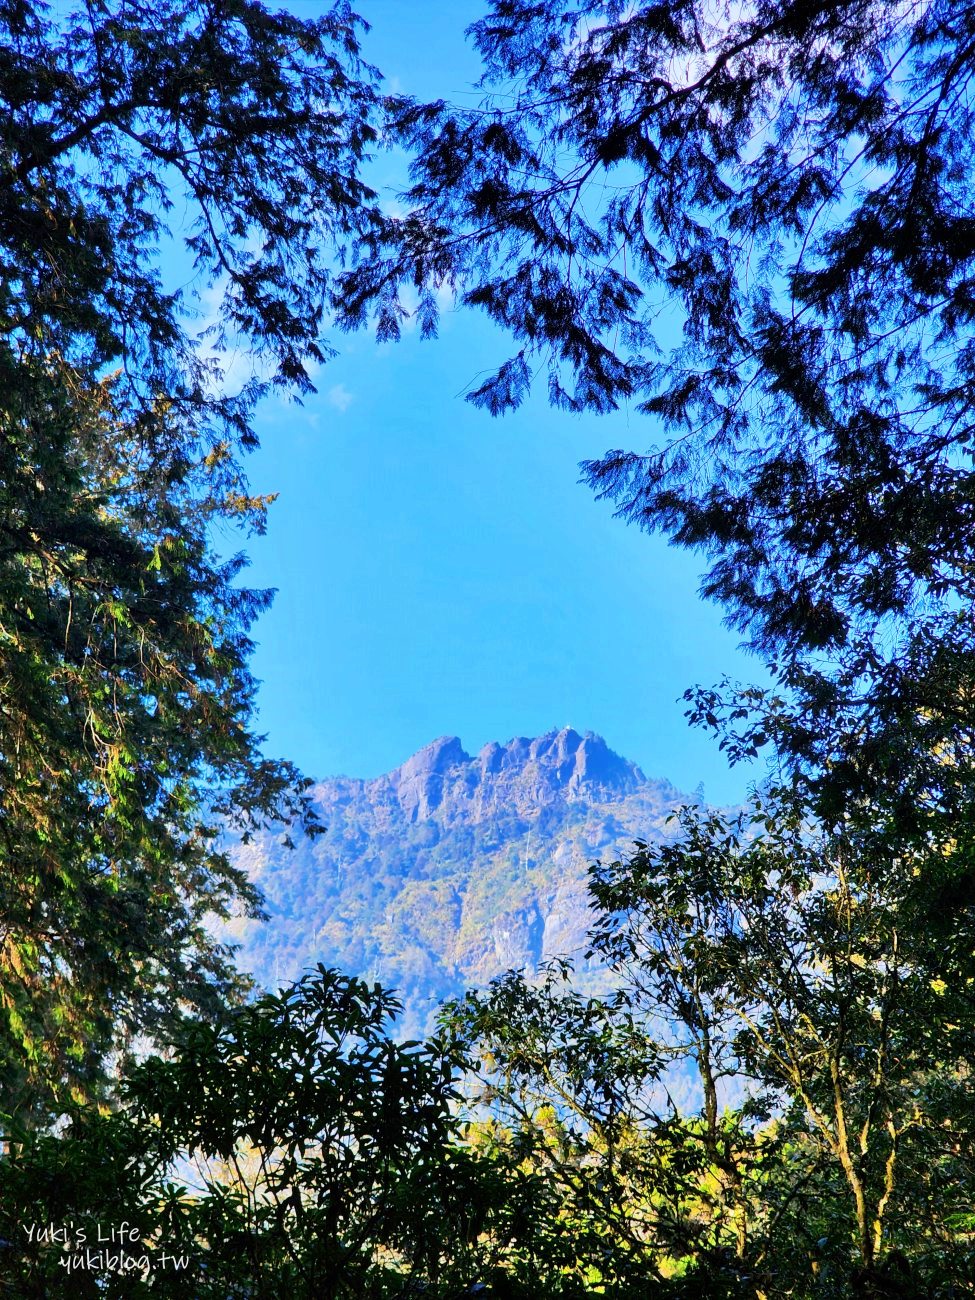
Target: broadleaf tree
(293,1146)
(793,960)
(777,1100)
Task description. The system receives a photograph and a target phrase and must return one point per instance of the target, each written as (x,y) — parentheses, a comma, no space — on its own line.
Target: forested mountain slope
(452,868)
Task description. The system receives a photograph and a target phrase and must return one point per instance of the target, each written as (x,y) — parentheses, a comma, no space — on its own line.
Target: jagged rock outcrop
(451,868)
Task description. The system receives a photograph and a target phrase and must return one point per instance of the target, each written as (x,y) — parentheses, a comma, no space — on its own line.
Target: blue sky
(443,572)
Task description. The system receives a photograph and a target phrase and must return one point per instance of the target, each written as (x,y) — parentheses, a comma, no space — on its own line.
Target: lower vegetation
(546,1143)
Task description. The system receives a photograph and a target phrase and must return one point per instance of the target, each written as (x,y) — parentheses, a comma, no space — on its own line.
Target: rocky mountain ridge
(451,868)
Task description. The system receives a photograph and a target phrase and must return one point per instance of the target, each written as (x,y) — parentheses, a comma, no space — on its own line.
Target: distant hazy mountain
(451,868)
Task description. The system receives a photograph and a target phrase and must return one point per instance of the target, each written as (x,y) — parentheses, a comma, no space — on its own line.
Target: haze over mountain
(452,868)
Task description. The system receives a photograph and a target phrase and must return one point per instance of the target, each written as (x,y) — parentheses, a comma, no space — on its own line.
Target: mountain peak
(584,760)
(444,783)
(452,868)
(438,757)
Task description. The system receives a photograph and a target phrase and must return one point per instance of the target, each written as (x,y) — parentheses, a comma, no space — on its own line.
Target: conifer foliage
(231,138)
(753,223)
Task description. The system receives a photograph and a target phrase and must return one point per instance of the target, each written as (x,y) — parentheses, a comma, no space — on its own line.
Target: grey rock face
(451,868)
(443,783)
